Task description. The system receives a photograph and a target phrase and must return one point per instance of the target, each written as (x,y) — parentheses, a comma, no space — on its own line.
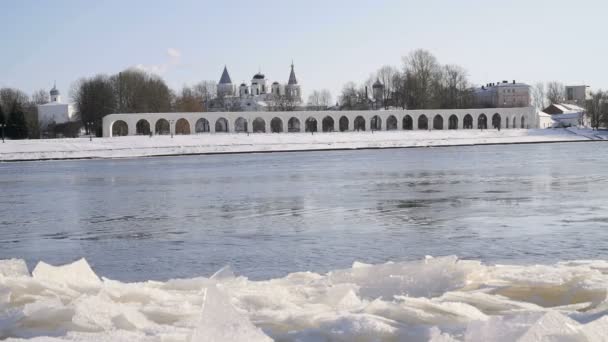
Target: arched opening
(142,127)
(482,122)
(391,123)
(120,128)
(523,122)
(343,124)
(311,124)
(182,126)
(221,125)
(359,123)
(514,122)
(240,125)
(453,122)
(376,123)
(507,122)
(293,125)
(496,121)
(276,125)
(438,122)
(467,122)
(408,123)
(328,124)
(423,122)
(162,127)
(259,125)
(201,126)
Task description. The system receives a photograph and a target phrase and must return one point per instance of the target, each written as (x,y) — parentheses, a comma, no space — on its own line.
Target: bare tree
(421,70)
(94,98)
(319,99)
(555,92)
(206,91)
(40,97)
(539,98)
(597,109)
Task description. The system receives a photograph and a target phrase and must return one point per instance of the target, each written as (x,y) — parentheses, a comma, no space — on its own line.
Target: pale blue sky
(331,42)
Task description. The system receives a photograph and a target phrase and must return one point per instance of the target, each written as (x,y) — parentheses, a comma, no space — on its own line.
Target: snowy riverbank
(141,146)
(436,299)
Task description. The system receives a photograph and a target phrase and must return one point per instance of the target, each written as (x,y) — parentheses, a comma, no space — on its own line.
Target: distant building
(561,115)
(257,96)
(578,95)
(55,111)
(502,95)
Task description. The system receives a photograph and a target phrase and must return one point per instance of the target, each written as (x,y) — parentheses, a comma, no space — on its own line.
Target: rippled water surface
(271,214)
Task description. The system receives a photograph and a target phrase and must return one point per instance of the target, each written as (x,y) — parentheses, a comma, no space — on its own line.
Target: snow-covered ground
(138,146)
(435,299)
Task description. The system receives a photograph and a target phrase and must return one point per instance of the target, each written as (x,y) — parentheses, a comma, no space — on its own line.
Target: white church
(257,96)
(55,111)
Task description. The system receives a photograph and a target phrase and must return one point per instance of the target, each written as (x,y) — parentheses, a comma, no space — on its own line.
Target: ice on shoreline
(140,146)
(436,299)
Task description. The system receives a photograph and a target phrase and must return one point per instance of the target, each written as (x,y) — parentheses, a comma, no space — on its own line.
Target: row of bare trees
(134,91)
(421,83)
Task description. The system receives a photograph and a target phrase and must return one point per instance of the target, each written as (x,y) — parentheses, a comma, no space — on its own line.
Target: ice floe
(435,299)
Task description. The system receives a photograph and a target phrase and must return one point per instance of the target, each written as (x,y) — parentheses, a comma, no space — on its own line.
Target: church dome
(275,83)
(377,84)
(54,91)
(259,76)
(243,85)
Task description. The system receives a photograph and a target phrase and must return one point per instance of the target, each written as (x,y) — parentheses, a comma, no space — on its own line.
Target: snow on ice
(139,146)
(436,299)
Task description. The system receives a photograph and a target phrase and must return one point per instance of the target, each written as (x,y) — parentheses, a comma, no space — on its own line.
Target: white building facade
(318,121)
(502,95)
(55,111)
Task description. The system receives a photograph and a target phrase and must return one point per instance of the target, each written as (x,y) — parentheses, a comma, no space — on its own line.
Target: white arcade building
(318,121)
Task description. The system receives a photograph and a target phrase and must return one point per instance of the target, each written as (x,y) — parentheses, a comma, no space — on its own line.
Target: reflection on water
(270,214)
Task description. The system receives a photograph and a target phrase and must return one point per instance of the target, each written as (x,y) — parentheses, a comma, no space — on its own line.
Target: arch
(496,121)
(182,126)
(438,122)
(507,122)
(515,122)
(142,127)
(221,125)
(467,122)
(240,124)
(482,121)
(310,125)
(328,124)
(376,123)
(202,126)
(423,122)
(408,123)
(162,127)
(453,122)
(359,123)
(276,125)
(391,123)
(120,128)
(293,125)
(523,122)
(259,125)
(343,123)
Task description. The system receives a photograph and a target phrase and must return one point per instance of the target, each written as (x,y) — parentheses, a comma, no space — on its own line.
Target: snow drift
(436,299)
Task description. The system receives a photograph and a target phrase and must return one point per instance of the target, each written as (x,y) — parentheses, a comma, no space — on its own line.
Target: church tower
(55,96)
(292,89)
(225,86)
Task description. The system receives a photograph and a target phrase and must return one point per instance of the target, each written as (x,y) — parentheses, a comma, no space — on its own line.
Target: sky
(330,42)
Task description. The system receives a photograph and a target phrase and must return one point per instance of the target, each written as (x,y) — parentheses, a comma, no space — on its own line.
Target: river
(267,215)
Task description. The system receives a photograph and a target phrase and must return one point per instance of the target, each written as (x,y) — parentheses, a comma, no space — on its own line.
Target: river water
(267,215)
